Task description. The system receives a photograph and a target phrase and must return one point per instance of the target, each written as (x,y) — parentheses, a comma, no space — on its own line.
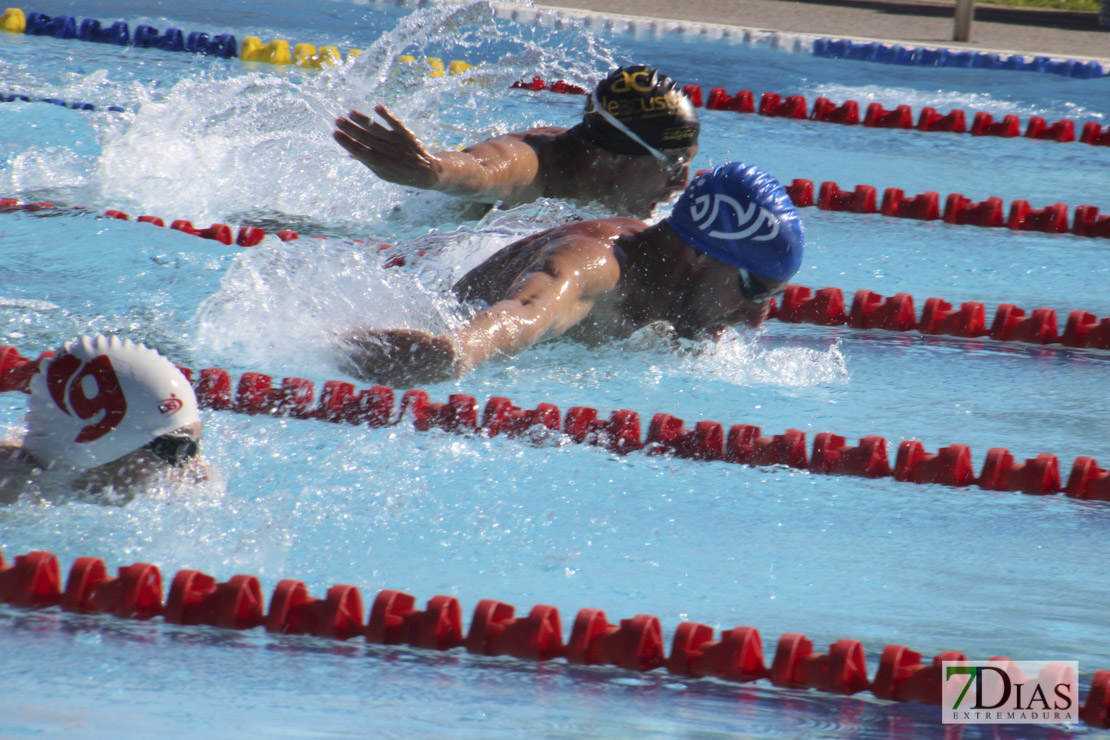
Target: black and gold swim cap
(647,103)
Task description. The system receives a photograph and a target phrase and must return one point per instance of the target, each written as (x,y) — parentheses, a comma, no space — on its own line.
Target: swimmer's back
(494,279)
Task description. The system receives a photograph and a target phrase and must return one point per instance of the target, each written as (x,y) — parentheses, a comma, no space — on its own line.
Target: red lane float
(879,117)
(799,306)
(196,598)
(135,593)
(1088,223)
(736,656)
(952,122)
(635,644)
(394,620)
(832,456)
(958,210)
(666,434)
(744,444)
(965,212)
(984,125)
(860,200)
(1038,128)
(924,207)
(800,192)
(901,116)
(247,236)
(826,111)
(292,611)
(742,102)
(495,631)
(1094,134)
(843,670)
(869,310)
(951,466)
(774,105)
(30,582)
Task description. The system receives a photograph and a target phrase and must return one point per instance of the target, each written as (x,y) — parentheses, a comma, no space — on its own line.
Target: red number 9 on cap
(66,372)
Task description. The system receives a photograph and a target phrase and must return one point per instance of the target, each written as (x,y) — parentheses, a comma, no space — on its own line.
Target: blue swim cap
(742,216)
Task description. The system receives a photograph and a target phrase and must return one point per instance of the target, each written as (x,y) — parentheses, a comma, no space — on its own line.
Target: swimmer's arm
(505,168)
(543,304)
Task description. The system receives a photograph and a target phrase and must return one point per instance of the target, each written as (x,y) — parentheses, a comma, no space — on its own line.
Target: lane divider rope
(771,104)
(870,50)
(799,304)
(875,51)
(14,97)
(869,310)
(195,598)
(744,444)
(795,108)
(958,210)
(247,236)
(277,52)
(307,55)
(223,46)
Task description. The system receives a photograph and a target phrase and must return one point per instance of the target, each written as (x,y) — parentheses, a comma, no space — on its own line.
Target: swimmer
(631,151)
(729,246)
(108,415)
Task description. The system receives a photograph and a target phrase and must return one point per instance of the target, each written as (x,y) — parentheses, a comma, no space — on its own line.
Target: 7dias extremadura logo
(1009,692)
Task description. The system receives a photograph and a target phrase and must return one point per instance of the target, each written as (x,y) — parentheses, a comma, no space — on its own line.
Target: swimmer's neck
(653,256)
(655,268)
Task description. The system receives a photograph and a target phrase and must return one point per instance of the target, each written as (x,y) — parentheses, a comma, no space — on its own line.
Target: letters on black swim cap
(649,104)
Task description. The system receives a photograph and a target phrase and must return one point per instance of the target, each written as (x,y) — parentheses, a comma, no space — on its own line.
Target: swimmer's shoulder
(606,228)
(543,133)
(541,138)
(599,238)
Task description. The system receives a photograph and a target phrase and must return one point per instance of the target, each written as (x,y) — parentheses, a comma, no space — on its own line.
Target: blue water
(930,567)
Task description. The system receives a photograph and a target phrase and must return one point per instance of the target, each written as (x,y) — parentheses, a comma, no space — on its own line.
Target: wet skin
(517,168)
(592,281)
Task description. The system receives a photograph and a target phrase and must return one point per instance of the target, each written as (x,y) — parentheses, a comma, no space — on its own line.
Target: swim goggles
(175,449)
(754,289)
(672,162)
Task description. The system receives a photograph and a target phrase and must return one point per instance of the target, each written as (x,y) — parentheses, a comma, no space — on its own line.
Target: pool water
(930,567)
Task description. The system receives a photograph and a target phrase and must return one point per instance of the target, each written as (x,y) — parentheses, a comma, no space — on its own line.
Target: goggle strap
(595,107)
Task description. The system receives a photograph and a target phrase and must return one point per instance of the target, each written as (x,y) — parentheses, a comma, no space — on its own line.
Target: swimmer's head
(638,110)
(742,216)
(101,398)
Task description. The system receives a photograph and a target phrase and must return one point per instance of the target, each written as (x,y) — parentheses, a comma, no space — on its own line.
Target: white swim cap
(101,398)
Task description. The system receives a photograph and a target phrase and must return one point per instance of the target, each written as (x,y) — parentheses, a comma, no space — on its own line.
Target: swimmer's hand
(394,154)
(399,357)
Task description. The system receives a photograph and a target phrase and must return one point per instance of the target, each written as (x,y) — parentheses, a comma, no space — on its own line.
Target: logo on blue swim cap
(742,216)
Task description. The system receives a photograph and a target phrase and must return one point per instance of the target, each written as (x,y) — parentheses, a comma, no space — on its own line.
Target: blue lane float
(116,34)
(59,26)
(13,98)
(223,45)
(147,37)
(226,46)
(874,51)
